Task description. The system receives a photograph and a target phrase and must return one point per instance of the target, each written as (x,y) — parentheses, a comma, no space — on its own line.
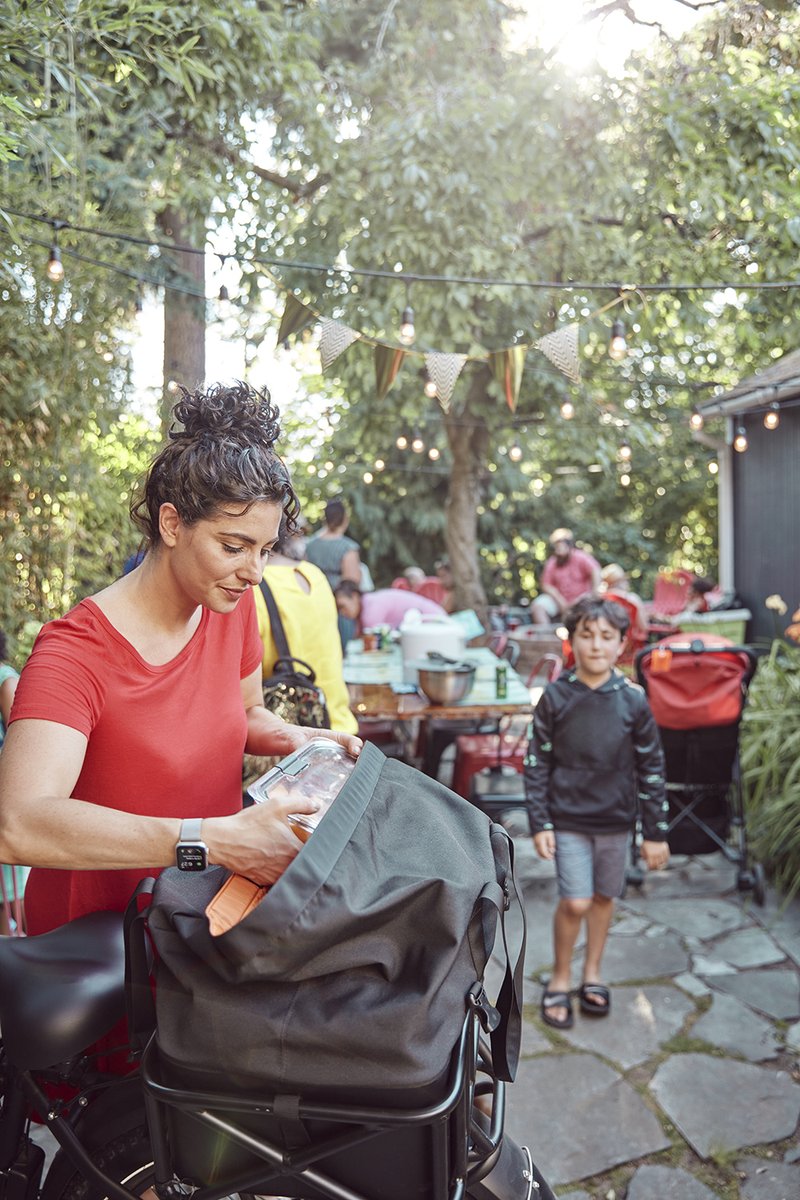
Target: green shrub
(770,762)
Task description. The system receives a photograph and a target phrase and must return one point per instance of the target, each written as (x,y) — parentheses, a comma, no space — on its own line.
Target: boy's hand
(655,855)
(545,843)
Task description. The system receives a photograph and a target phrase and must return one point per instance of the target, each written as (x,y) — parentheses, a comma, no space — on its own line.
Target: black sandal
(588,1006)
(557,1000)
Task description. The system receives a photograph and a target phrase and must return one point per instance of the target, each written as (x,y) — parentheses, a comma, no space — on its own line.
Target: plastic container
(317,771)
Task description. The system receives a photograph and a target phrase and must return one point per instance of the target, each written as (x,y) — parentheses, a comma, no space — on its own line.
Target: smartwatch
(191,852)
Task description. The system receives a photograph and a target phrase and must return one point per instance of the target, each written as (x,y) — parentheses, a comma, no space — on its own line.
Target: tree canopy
(396,140)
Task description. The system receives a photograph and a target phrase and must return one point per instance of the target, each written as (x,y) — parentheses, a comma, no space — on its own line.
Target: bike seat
(61,991)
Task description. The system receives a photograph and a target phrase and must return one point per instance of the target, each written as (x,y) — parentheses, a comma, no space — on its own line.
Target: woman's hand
(257,842)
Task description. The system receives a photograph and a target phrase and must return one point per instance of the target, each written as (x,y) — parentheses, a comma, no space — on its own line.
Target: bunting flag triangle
(388,360)
(296,316)
(507,367)
(561,347)
(334,339)
(444,370)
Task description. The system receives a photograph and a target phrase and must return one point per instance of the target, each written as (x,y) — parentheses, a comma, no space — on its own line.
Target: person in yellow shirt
(310,621)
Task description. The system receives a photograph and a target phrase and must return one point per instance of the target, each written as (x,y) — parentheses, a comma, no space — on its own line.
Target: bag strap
(276,624)
(503,1021)
(139,1005)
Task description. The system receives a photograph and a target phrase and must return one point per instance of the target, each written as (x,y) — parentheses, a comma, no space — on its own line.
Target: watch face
(191,858)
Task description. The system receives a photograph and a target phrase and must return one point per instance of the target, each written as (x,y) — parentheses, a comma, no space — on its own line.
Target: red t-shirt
(163,740)
(573,578)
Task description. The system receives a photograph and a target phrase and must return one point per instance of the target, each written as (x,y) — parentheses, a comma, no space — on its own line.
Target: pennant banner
(388,360)
(561,347)
(444,370)
(507,367)
(334,339)
(296,316)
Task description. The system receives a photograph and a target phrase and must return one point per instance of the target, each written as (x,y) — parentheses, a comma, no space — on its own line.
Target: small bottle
(501,681)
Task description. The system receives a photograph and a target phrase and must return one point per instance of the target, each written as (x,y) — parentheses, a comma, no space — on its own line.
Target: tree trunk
(184,311)
(468,438)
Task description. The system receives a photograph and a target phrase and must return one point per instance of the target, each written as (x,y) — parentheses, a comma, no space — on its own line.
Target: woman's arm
(7,690)
(350,567)
(42,825)
(268,734)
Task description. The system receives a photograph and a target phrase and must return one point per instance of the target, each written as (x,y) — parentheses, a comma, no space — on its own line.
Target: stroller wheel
(759,891)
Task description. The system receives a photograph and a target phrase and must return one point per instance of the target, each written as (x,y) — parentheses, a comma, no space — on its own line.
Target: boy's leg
(573,869)
(610,854)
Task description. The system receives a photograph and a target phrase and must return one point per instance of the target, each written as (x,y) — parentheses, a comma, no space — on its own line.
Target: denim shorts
(589,864)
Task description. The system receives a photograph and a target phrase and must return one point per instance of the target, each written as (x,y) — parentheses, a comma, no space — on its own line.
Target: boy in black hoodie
(594,762)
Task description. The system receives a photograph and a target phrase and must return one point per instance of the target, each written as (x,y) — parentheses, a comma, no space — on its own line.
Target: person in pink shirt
(568,574)
(386,606)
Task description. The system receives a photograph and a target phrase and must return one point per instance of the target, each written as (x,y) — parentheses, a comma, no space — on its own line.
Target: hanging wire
(408,277)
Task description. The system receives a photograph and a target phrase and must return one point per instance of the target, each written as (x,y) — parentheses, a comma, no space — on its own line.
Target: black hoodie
(595,761)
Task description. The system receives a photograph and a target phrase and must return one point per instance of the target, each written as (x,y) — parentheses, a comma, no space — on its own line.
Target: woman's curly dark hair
(220,452)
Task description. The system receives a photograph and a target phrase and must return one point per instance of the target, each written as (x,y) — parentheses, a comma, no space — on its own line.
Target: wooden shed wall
(767,519)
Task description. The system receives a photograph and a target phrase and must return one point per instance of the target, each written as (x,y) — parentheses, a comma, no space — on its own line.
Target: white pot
(429,632)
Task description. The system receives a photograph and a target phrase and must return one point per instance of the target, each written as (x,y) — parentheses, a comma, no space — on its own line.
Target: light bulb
(173,387)
(407,330)
(417,444)
(625,451)
(515,453)
(713,467)
(55,268)
(429,388)
(433,453)
(772,417)
(625,480)
(367,477)
(617,347)
(567,410)
(379,464)
(402,443)
(740,441)
(696,421)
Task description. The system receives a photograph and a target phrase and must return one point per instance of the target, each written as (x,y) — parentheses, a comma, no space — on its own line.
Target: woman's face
(218,559)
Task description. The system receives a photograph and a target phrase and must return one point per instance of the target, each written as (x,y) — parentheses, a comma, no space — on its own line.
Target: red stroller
(697,687)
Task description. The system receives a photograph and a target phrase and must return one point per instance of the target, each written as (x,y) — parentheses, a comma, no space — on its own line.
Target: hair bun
(239,412)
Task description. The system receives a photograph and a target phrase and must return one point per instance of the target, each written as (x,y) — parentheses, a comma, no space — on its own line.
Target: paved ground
(690,1087)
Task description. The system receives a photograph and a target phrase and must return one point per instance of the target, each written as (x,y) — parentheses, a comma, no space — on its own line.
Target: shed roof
(778,382)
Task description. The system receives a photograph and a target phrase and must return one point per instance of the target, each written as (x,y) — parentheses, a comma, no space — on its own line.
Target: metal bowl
(446,685)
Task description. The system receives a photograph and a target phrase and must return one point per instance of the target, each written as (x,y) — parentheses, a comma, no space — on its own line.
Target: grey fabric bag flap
(357,965)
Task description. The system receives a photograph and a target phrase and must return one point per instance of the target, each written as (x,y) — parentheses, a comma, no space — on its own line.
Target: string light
(433,453)
(625,452)
(55,268)
(567,410)
(368,477)
(379,464)
(417,444)
(617,347)
(740,441)
(713,467)
(772,417)
(402,442)
(515,453)
(407,330)
(428,387)
(625,480)
(696,421)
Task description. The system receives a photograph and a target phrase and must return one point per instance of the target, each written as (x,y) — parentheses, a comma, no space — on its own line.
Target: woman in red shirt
(134,710)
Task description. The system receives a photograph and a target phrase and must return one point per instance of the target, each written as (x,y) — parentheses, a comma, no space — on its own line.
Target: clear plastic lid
(317,771)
